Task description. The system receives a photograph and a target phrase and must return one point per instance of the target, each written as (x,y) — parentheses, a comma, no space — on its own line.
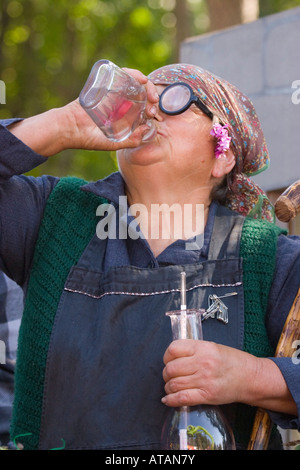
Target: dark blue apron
(103,384)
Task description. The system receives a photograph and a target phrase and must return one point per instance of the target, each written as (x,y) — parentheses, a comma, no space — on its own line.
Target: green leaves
(48,48)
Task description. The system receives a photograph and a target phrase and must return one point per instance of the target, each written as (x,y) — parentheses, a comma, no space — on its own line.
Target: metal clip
(217,307)
(210,312)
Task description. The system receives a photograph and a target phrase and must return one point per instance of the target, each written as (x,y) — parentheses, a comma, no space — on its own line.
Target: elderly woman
(97,366)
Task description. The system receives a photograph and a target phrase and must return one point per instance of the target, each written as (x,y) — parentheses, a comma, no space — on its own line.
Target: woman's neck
(167,210)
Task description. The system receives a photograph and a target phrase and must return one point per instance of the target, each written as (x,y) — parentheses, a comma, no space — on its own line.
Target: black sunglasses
(178,97)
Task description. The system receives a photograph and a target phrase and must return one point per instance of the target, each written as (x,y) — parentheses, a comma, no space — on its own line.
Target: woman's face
(183,146)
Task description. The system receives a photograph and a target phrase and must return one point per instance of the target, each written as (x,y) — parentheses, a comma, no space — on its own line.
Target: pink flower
(223,140)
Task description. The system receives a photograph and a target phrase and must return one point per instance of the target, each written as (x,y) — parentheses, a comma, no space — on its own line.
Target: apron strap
(229,225)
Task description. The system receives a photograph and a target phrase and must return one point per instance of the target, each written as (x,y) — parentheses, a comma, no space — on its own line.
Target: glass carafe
(201,427)
(115,101)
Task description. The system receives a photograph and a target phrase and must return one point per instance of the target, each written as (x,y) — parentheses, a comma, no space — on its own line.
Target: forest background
(47,49)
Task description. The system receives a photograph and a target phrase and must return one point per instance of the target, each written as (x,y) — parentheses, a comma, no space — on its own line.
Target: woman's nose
(159,115)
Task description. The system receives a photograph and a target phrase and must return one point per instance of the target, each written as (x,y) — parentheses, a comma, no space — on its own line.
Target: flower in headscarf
(223,140)
(235,111)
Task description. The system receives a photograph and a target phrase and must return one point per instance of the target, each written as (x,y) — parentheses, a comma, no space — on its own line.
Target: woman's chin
(148,153)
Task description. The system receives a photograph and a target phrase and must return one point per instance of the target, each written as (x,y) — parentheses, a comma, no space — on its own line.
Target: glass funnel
(202,427)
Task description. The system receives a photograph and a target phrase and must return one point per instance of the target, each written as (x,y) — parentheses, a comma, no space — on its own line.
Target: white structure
(262,59)
(2,92)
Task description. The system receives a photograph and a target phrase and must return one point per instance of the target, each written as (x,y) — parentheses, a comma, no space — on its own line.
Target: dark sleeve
(22,204)
(285,285)
(284,289)
(290,369)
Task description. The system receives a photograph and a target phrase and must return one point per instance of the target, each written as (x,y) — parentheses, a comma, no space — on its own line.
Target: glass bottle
(202,427)
(115,101)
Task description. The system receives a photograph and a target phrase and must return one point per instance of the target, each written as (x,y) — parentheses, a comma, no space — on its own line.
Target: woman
(94,331)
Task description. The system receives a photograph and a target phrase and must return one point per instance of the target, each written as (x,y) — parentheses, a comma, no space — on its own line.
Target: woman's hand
(84,134)
(70,127)
(202,372)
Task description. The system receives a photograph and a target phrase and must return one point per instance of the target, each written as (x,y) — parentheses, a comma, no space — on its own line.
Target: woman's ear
(224,164)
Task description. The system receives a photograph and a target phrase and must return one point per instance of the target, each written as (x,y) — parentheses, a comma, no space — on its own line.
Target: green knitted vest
(68,224)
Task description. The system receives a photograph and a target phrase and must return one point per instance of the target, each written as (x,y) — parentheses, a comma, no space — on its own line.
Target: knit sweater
(68,224)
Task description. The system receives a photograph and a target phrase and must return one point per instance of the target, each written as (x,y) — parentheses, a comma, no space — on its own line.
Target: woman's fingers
(152,95)
(186,397)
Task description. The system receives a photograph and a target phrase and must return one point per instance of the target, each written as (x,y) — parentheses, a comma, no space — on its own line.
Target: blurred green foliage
(48,48)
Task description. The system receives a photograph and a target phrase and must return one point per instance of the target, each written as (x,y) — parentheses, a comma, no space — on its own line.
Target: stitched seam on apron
(144,294)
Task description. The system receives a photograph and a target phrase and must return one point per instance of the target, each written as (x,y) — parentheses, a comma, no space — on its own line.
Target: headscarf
(248,144)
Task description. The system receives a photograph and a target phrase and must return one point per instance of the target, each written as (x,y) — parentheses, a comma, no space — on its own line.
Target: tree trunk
(226,13)
(182,25)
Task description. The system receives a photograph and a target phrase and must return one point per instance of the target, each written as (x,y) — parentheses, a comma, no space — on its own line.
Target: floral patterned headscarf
(248,144)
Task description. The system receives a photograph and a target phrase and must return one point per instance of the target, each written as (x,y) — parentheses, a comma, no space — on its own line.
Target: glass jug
(202,427)
(115,101)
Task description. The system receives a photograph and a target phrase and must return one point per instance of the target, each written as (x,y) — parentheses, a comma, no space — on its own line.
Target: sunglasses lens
(175,98)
